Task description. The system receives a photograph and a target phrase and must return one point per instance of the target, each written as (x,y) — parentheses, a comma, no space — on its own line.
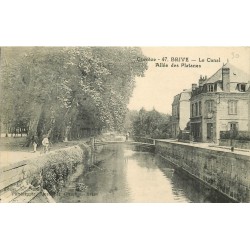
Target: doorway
(210,131)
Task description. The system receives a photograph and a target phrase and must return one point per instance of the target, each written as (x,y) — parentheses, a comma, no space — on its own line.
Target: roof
(176,99)
(236,75)
(183,96)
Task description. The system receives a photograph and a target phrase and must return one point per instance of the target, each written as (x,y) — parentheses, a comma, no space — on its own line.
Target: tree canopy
(63,91)
(151,124)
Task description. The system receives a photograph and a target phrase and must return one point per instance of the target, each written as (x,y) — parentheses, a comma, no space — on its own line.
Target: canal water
(121,173)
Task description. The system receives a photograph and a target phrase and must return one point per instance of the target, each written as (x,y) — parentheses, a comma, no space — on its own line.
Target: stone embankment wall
(227,172)
(22,181)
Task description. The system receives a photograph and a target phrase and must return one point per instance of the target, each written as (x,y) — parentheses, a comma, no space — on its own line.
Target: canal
(121,173)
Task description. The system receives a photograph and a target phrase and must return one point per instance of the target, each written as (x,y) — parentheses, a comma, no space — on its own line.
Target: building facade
(249,109)
(180,112)
(219,103)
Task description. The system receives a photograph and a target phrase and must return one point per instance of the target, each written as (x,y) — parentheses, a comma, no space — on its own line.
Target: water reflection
(123,175)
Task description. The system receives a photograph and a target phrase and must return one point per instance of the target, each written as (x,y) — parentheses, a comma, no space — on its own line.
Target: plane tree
(53,88)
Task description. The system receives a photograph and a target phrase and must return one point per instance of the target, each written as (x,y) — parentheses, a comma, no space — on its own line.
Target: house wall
(224,118)
(209,117)
(175,128)
(180,112)
(220,117)
(248,110)
(175,117)
(184,113)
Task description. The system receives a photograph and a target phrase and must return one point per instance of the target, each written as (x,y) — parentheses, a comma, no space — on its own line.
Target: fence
(237,139)
(237,135)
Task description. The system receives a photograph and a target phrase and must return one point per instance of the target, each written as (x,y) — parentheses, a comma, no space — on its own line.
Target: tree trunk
(69,119)
(67,133)
(52,126)
(35,116)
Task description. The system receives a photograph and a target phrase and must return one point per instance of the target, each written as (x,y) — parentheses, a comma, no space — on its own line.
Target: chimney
(202,80)
(194,86)
(226,79)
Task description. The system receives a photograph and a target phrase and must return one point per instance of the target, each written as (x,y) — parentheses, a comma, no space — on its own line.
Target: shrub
(237,135)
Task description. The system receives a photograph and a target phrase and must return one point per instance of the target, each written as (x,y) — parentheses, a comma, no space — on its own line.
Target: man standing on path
(45,143)
(127,136)
(35,143)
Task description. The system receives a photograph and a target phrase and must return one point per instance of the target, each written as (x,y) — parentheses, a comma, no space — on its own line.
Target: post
(92,143)
(231,139)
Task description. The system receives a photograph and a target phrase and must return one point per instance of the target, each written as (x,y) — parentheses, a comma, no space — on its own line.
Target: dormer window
(211,87)
(242,87)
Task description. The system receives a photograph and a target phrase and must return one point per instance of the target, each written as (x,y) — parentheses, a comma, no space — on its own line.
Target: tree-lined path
(67,92)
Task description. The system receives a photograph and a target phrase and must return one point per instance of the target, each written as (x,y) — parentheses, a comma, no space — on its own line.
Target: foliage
(184,135)
(151,124)
(58,90)
(130,118)
(187,126)
(236,135)
(54,178)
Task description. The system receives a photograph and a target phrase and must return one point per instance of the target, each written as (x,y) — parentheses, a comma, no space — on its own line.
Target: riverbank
(23,180)
(13,151)
(226,171)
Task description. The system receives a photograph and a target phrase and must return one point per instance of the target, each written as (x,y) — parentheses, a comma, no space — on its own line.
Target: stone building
(180,112)
(220,103)
(249,109)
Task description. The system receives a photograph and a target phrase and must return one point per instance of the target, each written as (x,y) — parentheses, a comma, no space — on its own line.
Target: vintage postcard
(124,124)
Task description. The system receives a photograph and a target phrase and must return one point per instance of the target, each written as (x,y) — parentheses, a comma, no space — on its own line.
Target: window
(232,107)
(210,88)
(210,106)
(199,107)
(192,111)
(233,126)
(242,87)
(196,109)
(209,130)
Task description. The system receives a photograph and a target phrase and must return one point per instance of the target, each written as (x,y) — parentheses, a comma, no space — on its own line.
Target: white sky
(160,85)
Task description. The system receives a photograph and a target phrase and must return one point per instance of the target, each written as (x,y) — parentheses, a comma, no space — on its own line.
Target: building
(220,103)
(180,112)
(248,109)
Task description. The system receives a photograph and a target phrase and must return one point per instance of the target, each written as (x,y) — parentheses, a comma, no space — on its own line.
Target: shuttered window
(232,107)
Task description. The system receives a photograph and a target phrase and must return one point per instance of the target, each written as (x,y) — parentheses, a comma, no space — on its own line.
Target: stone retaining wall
(22,174)
(227,172)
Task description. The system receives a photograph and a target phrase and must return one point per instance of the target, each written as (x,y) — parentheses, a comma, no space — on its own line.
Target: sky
(160,84)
